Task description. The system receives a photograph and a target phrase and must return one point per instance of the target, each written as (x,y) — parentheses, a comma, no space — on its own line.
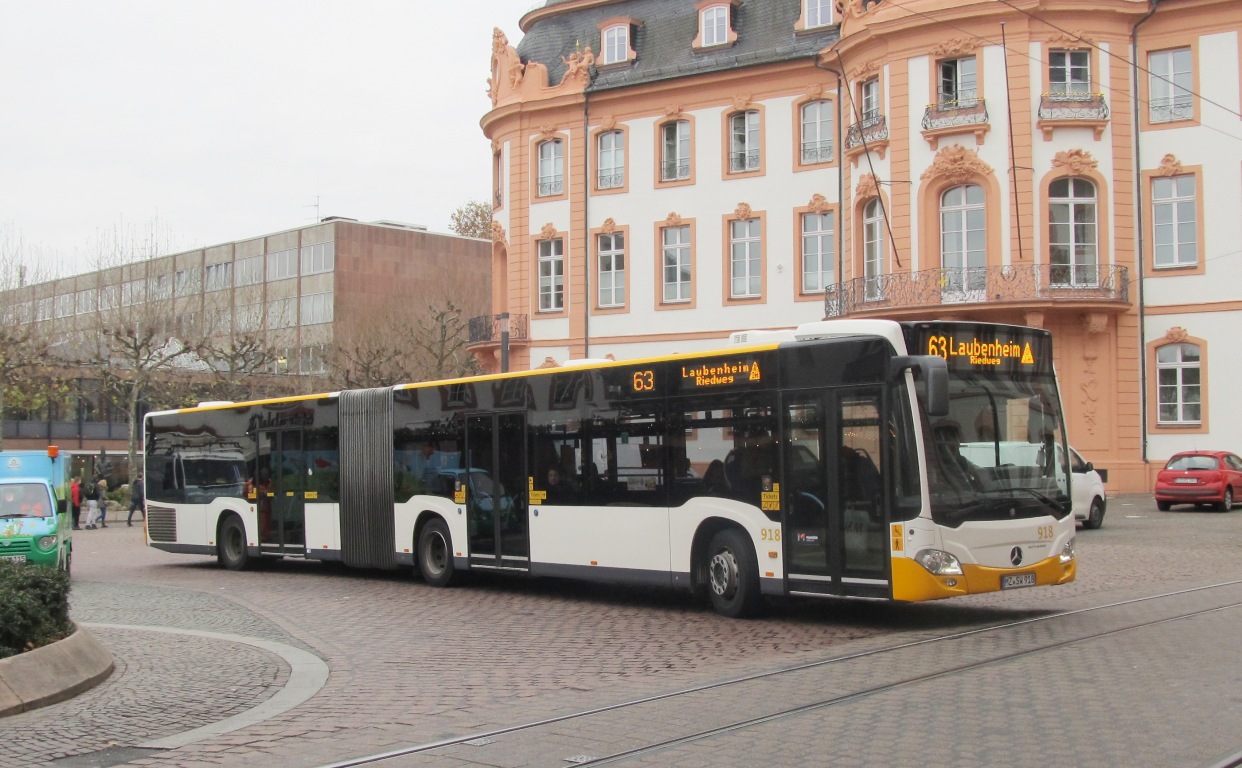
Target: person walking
(75,501)
(90,491)
(137,499)
(102,485)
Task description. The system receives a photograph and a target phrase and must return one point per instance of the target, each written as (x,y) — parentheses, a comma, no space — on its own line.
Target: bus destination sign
(980,351)
(719,374)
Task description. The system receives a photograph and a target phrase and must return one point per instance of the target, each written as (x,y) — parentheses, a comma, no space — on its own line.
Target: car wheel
(1164,506)
(1095,517)
(1226,502)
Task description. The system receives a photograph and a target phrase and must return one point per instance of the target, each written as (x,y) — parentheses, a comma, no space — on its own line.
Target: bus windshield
(999,454)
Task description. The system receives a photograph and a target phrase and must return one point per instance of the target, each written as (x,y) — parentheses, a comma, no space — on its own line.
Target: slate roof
(663,37)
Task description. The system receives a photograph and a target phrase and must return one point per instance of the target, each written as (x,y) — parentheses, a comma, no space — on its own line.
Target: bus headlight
(939,562)
(1067,554)
(46,542)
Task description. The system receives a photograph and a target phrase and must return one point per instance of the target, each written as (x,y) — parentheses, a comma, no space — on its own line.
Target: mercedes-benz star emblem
(1015,555)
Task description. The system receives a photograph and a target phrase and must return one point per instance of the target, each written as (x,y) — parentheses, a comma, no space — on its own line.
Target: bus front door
(832,496)
(280,484)
(495,480)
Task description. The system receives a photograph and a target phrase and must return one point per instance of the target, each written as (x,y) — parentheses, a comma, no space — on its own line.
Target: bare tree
(474,219)
(27,376)
(440,343)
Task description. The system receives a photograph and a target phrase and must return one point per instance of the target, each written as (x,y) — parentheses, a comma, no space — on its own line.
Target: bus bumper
(913,583)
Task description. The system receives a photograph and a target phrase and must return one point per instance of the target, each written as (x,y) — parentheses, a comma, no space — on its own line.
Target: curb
(52,673)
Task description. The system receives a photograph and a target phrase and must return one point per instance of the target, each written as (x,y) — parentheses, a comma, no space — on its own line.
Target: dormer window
(818,13)
(616,45)
(715,25)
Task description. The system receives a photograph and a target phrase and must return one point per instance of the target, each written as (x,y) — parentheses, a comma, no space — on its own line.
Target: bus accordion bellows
(905,461)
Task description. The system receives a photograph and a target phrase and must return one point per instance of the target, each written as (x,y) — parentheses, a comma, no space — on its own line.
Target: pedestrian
(75,501)
(137,499)
(102,484)
(90,491)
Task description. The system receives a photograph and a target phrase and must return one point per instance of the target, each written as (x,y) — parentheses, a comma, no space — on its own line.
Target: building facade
(291,290)
(667,172)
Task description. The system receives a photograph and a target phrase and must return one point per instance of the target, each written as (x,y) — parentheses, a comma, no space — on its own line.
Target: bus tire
(231,544)
(733,575)
(435,554)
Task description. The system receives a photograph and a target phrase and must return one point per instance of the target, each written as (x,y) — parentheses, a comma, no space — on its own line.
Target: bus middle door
(832,493)
(494,477)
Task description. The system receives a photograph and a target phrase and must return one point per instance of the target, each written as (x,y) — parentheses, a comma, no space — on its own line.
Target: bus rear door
(832,493)
(281,478)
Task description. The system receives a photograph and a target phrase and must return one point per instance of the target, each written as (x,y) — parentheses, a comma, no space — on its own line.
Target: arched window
(963,241)
(551,168)
(873,250)
(1072,236)
(1179,384)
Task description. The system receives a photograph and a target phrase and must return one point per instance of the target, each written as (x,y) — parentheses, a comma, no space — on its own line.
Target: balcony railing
(488,328)
(1107,283)
(610,180)
(1169,109)
(816,152)
(872,127)
(743,161)
(551,186)
(674,170)
(949,113)
(1073,106)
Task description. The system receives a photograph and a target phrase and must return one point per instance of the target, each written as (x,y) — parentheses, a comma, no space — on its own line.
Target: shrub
(34,607)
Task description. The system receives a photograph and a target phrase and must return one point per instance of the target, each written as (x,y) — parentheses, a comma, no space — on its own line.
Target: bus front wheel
(435,554)
(231,545)
(733,575)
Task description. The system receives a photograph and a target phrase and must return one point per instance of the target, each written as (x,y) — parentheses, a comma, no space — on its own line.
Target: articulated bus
(830,460)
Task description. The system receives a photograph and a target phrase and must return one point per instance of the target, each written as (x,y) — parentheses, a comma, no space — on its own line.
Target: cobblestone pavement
(410,664)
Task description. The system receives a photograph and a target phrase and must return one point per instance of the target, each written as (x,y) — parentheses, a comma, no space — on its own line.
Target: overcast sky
(226,119)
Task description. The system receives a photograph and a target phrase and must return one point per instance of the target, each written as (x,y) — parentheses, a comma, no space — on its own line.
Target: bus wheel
(733,575)
(231,545)
(435,554)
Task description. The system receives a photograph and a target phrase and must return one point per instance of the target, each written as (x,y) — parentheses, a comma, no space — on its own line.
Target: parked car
(1087,489)
(1199,478)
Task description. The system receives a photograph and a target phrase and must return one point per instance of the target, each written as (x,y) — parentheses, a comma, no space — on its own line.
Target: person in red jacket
(75,501)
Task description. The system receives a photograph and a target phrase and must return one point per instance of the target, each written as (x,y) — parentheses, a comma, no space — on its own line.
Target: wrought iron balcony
(1180,107)
(551,186)
(873,127)
(958,287)
(816,152)
(675,170)
(950,113)
(744,161)
(487,329)
(1073,106)
(610,180)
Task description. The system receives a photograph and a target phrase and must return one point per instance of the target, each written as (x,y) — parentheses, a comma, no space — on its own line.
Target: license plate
(1015,580)
(14,558)
(1186,480)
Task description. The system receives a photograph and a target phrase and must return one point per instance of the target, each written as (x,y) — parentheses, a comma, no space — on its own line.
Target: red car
(1200,477)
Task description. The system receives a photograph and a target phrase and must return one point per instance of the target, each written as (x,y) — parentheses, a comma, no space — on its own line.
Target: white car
(1087,488)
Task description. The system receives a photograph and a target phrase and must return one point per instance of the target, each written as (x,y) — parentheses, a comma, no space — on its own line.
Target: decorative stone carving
(548,232)
(499,42)
(1071,41)
(1090,389)
(495,146)
(609,227)
(498,234)
(1176,335)
(818,204)
(546,131)
(1169,166)
(867,187)
(548,362)
(672,220)
(578,66)
(674,111)
(742,212)
(1095,322)
(865,71)
(1075,160)
(608,123)
(958,46)
(956,164)
(741,101)
(815,91)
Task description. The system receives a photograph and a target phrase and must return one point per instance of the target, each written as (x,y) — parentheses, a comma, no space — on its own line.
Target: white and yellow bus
(833,459)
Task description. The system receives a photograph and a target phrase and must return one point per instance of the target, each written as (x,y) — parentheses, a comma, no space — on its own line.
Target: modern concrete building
(669,171)
(292,289)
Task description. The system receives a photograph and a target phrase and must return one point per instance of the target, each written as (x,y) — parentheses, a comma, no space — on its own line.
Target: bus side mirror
(933,374)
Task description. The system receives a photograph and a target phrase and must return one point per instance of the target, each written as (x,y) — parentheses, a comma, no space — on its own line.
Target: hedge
(34,607)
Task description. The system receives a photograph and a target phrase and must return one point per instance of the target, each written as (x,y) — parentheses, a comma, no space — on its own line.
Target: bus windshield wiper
(1044,498)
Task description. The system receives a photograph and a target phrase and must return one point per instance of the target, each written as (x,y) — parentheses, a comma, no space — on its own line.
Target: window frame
(1155,367)
(962,213)
(960,96)
(1068,67)
(1074,203)
(721,8)
(1169,167)
(819,9)
(614,52)
(828,276)
(1162,82)
(759,271)
(661,159)
(555,291)
(874,248)
(824,105)
(549,187)
(689,249)
(618,182)
(612,232)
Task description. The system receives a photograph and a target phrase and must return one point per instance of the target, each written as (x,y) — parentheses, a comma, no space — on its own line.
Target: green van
(35,522)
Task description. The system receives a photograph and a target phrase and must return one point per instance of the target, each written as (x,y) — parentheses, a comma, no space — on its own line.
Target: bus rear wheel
(231,544)
(733,575)
(435,554)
